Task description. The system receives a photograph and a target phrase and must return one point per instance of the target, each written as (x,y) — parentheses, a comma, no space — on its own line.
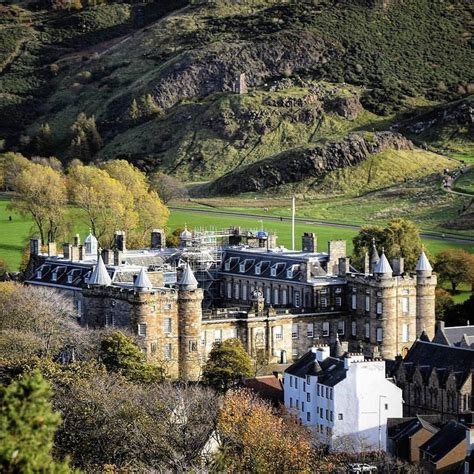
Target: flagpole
(293,212)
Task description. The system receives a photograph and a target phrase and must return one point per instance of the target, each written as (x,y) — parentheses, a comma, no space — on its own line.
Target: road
(447,238)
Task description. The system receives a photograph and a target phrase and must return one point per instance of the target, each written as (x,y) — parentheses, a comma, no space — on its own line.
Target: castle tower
(373,256)
(425,297)
(189,323)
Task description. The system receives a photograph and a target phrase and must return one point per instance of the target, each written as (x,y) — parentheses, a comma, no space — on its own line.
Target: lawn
(465,184)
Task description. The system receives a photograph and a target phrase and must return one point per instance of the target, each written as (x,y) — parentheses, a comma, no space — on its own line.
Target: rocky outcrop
(301,163)
(214,68)
(346,107)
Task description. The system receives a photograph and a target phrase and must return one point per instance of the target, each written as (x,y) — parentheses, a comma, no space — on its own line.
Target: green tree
(443,303)
(228,362)
(87,140)
(400,238)
(27,427)
(44,140)
(120,354)
(148,106)
(455,267)
(134,111)
(172,240)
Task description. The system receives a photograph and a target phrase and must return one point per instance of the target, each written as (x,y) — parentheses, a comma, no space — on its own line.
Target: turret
(382,268)
(189,322)
(425,297)
(100,276)
(142,282)
(373,256)
(90,244)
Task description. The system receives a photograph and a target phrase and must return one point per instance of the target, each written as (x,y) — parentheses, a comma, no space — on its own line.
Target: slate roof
(456,334)
(383,267)
(444,441)
(188,280)
(401,428)
(423,264)
(332,369)
(100,276)
(142,281)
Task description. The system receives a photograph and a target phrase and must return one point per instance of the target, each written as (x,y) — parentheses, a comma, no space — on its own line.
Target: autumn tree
(151,212)
(148,106)
(400,238)
(120,354)
(456,267)
(255,439)
(40,192)
(27,427)
(134,111)
(168,187)
(172,240)
(228,362)
(107,203)
(11,165)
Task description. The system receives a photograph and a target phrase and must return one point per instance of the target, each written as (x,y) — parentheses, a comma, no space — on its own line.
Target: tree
(134,111)
(40,191)
(148,106)
(255,439)
(87,140)
(108,204)
(400,238)
(168,187)
(120,354)
(228,362)
(27,427)
(460,314)
(455,266)
(11,165)
(443,303)
(44,140)
(172,240)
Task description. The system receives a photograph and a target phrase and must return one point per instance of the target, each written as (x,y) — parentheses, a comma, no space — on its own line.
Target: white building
(346,400)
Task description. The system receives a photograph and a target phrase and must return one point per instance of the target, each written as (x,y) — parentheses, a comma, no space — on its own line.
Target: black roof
(445,440)
(330,371)
(400,428)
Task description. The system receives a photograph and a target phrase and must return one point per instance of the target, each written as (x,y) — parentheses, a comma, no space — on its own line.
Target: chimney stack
(52,252)
(343,266)
(120,240)
(77,240)
(158,239)
(309,242)
(67,250)
(107,256)
(398,266)
(35,246)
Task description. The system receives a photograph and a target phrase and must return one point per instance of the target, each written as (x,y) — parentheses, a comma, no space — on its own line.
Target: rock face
(300,163)
(346,107)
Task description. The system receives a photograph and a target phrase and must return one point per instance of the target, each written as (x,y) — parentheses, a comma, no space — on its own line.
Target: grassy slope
(465,184)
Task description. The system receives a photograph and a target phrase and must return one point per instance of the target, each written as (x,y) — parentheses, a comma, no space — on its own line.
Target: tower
(189,323)
(425,297)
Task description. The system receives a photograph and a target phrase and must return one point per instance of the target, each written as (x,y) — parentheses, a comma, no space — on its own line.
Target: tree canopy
(455,267)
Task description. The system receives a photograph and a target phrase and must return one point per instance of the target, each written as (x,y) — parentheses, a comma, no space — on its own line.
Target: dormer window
(70,278)
(39,274)
(227,266)
(289,273)
(338,290)
(54,276)
(242,267)
(273,272)
(258,269)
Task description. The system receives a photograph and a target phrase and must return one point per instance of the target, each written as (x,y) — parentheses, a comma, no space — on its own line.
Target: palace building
(232,283)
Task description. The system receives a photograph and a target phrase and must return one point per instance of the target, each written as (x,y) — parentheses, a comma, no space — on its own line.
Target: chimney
(81,252)
(107,256)
(343,266)
(158,239)
(439,326)
(398,266)
(52,252)
(77,240)
(336,250)
(309,242)
(74,253)
(35,246)
(118,257)
(322,353)
(67,249)
(366,264)
(120,240)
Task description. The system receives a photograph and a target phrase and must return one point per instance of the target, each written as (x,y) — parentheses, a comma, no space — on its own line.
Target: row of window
(405,304)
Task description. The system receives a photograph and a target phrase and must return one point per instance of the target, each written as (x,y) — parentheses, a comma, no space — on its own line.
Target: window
(229,290)
(291,402)
(142,330)
(291,381)
(296,382)
(308,397)
(236,291)
(379,307)
(321,413)
(327,414)
(354,328)
(167,325)
(284,297)
(217,335)
(338,301)
(227,265)
(168,351)
(70,278)
(308,416)
(330,394)
(297,404)
(167,306)
(327,392)
(340,416)
(405,333)
(258,268)
(324,303)
(289,273)
(39,274)
(153,347)
(276,295)
(294,352)
(367,303)
(232,333)
(354,301)
(268,294)
(242,267)
(331,416)
(405,305)
(326,329)
(278,332)
(203,338)
(386,406)
(367,330)
(379,334)
(110,321)
(310,330)
(302,406)
(308,380)
(317,390)
(297,299)
(273,272)
(304,386)
(338,290)
(294,331)
(341,327)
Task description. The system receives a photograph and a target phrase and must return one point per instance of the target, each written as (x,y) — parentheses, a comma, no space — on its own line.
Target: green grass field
(465,184)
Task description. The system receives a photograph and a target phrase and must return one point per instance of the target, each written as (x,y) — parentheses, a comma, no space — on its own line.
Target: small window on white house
(142,329)
(379,334)
(302,406)
(167,325)
(354,328)
(310,330)
(326,329)
(294,331)
(367,303)
(341,325)
(291,402)
(354,301)
(308,397)
(218,335)
(340,416)
(405,305)
(296,378)
(379,307)
(308,380)
(168,351)
(291,381)
(278,332)
(308,416)
(405,333)
(367,330)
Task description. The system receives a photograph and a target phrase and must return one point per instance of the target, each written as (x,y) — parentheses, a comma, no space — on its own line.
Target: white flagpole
(293,223)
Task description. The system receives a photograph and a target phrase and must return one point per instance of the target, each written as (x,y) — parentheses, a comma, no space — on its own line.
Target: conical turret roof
(337,350)
(188,280)
(423,264)
(100,275)
(383,266)
(142,282)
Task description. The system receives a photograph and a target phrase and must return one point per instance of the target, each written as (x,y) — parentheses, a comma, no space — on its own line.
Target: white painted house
(346,400)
